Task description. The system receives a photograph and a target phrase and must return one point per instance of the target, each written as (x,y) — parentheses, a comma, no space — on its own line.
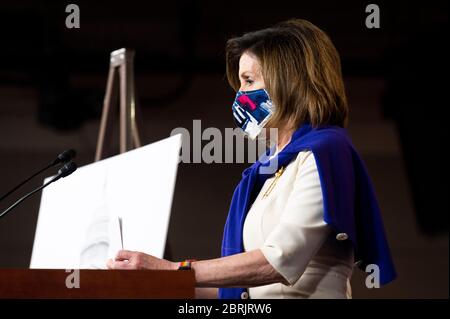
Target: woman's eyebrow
(246,74)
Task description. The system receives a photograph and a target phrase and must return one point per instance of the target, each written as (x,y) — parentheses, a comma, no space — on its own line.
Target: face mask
(252,110)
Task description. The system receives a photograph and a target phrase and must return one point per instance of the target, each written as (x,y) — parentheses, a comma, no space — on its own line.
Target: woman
(294,231)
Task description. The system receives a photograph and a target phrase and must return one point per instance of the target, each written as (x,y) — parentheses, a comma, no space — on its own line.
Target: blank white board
(78,223)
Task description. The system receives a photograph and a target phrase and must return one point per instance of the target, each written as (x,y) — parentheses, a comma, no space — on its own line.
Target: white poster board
(78,223)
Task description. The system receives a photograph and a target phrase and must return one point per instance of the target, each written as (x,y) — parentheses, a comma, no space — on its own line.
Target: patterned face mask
(252,110)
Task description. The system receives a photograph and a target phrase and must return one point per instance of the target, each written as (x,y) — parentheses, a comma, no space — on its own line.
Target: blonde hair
(301,69)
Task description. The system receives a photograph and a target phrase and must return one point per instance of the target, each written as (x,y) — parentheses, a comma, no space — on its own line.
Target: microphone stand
(64,157)
(25,181)
(66,170)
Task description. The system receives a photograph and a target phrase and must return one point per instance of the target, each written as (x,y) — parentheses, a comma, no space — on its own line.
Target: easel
(121,65)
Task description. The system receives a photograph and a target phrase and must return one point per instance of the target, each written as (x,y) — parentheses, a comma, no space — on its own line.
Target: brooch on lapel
(275,180)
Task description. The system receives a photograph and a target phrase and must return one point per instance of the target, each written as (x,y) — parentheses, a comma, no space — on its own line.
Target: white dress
(288,226)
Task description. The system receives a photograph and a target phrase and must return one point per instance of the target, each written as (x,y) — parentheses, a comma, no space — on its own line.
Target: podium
(97,284)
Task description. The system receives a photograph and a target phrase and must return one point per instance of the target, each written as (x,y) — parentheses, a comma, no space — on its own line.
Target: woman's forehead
(249,63)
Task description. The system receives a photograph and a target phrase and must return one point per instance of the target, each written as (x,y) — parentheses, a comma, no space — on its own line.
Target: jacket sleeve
(301,231)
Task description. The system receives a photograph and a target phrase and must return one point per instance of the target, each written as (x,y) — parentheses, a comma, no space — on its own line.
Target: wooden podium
(97,284)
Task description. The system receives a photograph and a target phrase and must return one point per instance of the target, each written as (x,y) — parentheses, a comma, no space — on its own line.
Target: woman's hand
(126,259)
(249,269)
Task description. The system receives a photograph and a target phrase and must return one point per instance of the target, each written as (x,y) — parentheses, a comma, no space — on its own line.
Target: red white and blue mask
(252,110)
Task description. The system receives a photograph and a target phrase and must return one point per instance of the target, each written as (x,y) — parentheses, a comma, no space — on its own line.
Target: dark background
(52,82)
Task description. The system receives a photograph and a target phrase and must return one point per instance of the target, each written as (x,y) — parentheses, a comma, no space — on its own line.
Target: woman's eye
(249,82)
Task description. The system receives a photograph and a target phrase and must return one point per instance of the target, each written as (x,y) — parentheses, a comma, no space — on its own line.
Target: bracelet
(186,264)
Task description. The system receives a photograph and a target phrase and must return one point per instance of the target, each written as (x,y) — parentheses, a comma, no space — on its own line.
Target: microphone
(64,171)
(64,157)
